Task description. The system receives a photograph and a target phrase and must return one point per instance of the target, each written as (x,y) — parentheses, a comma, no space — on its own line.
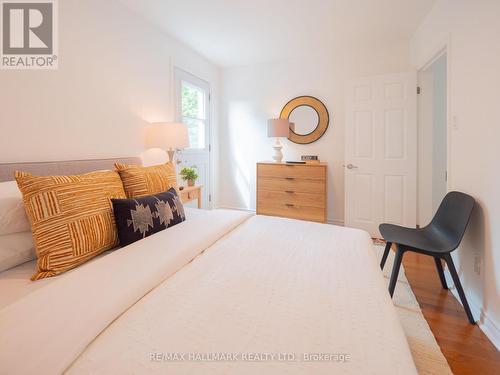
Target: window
(194,113)
(192,107)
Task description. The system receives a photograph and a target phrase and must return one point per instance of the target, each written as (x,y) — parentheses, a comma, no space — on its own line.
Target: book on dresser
(297,191)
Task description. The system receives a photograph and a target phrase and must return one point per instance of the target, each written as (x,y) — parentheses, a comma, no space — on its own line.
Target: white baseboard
(485,323)
(336,222)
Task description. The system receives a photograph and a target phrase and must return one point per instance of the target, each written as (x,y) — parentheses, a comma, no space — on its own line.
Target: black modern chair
(438,240)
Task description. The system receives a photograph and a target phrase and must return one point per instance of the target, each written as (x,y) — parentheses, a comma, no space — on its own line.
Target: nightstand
(190,193)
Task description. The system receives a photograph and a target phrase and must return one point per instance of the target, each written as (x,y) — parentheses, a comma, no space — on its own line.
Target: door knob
(350,166)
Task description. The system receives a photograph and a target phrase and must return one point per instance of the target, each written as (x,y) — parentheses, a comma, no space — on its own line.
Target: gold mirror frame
(323,118)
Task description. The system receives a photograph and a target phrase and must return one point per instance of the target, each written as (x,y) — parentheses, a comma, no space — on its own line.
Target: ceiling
(242,32)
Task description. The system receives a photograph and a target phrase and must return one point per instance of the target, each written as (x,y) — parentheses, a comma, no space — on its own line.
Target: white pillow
(16,249)
(13,217)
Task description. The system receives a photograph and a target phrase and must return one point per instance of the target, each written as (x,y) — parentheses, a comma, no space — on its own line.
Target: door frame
(441,49)
(176,110)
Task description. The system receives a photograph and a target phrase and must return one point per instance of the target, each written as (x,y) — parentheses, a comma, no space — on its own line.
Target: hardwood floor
(466,348)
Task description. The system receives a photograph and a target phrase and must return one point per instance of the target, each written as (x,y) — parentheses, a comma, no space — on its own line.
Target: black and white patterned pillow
(141,217)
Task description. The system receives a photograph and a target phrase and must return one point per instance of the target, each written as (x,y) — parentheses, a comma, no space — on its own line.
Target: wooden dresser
(297,191)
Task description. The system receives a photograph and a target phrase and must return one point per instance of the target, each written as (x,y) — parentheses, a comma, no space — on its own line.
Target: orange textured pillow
(140,181)
(71,217)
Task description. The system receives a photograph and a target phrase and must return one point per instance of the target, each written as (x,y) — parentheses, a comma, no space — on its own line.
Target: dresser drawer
(294,212)
(267,198)
(291,171)
(295,185)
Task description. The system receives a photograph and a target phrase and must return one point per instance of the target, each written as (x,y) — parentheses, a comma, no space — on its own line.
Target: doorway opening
(432,138)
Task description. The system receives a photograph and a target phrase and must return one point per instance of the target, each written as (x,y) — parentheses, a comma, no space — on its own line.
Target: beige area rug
(425,350)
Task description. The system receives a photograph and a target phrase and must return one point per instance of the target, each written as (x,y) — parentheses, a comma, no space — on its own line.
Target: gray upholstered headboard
(68,167)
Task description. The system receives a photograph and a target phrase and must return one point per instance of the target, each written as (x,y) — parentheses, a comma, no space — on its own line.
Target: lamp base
(278,155)
(171,154)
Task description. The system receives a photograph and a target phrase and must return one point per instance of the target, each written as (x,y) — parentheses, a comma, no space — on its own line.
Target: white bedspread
(267,287)
(273,286)
(48,328)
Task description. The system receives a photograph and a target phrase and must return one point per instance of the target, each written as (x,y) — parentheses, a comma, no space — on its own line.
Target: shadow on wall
(243,183)
(247,143)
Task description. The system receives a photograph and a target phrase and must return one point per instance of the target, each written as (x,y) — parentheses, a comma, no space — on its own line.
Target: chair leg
(458,285)
(395,269)
(439,268)
(386,254)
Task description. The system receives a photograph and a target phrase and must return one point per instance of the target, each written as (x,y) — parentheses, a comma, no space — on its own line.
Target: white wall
(114,76)
(253,94)
(473,31)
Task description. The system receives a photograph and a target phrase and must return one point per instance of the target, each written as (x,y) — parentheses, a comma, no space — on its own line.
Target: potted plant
(189,174)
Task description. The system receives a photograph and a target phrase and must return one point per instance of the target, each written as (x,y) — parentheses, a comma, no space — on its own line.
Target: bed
(224,292)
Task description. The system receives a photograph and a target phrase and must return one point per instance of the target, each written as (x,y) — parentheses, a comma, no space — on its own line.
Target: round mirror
(305,118)
(309,116)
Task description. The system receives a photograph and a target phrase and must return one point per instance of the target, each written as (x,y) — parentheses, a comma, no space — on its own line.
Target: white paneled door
(381,152)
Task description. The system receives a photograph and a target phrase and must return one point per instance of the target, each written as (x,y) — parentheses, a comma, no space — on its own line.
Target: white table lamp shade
(167,135)
(278,127)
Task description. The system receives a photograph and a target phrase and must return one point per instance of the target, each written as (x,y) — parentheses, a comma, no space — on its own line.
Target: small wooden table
(190,193)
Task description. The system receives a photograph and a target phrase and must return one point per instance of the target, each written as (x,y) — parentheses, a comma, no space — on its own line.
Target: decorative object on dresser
(278,128)
(190,193)
(310,159)
(291,190)
(169,136)
(310,117)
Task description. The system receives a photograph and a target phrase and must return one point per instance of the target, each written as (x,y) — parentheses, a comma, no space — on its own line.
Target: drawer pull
(289,205)
(289,178)
(289,191)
